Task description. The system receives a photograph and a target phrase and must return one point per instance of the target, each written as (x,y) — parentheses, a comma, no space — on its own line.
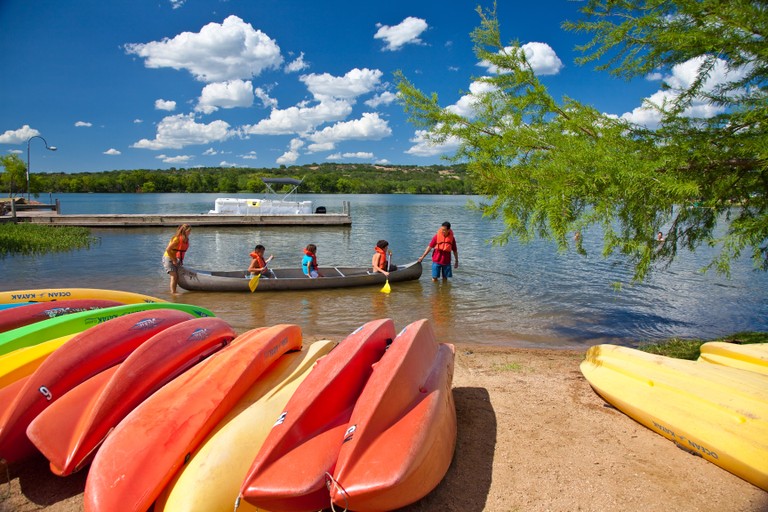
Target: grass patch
(691,349)
(25,238)
(509,367)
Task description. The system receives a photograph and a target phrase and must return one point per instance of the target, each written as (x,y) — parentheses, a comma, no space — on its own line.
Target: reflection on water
(521,295)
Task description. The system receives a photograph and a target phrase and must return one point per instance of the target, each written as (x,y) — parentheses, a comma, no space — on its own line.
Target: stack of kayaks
(171,408)
(81,358)
(715,411)
(372,428)
(69,430)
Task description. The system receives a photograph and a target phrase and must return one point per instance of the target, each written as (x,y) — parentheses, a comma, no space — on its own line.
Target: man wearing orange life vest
(442,245)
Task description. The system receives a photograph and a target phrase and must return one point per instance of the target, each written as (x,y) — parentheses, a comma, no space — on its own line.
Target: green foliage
(13,179)
(323,178)
(691,349)
(553,167)
(25,238)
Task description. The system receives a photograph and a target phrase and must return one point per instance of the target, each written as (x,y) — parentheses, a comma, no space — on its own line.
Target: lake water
(516,295)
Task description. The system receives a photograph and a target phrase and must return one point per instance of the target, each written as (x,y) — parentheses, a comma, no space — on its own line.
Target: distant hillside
(327,178)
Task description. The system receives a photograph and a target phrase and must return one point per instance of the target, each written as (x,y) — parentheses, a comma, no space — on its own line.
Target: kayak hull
(402,433)
(715,412)
(85,355)
(151,444)
(288,474)
(72,428)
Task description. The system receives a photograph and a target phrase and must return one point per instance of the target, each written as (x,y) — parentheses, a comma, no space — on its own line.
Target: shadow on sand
(42,487)
(466,486)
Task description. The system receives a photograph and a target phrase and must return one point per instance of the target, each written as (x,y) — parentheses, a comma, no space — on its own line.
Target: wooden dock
(51,217)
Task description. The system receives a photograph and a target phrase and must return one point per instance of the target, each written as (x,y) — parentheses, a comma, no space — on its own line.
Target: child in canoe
(258,264)
(309,262)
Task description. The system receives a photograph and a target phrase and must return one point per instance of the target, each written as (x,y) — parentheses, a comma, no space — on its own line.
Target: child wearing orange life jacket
(309,262)
(442,245)
(258,264)
(380,262)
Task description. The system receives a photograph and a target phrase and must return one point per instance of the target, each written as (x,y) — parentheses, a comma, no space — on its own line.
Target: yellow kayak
(24,361)
(752,357)
(48,294)
(716,412)
(211,480)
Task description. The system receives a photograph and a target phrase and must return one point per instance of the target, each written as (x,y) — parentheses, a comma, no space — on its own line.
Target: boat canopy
(282,181)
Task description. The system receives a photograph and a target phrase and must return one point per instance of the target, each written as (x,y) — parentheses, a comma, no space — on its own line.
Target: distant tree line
(327,178)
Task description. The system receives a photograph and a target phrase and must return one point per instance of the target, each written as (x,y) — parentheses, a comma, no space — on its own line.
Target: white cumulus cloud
(168,105)
(112,151)
(176,132)
(83,124)
(406,32)
(290,156)
(296,65)
(384,98)
(424,147)
(18,136)
(541,57)
(353,84)
(265,98)
(230,94)
(300,119)
(179,159)
(465,107)
(679,79)
(369,127)
(227,51)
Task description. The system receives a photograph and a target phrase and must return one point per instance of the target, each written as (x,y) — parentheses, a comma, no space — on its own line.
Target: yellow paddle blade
(254,282)
(386,288)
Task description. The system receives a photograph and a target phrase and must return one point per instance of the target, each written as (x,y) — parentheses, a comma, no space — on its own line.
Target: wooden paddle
(386,288)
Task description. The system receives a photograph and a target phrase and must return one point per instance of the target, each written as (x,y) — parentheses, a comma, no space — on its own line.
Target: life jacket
(260,263)
(183,245)
(382,257)
(445,242)
(312,265)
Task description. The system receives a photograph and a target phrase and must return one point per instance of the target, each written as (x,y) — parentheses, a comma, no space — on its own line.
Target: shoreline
(532,436)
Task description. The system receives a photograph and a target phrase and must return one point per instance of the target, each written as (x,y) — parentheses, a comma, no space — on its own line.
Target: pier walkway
(50,216)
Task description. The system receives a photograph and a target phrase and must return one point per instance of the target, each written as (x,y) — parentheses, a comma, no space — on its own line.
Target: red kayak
(402,433)
(148,447)
(70,430)
(85,355)
(288,474)
(29,314)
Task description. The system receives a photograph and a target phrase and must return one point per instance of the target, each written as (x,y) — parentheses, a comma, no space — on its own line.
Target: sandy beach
(533,436)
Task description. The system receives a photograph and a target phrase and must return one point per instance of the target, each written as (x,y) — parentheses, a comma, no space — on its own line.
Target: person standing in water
(442,245)
(173,257)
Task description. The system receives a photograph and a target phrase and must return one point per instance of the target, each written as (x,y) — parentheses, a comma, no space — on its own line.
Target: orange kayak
(288,474)
(148,447)
(85,355)
(402,433)
(70,430)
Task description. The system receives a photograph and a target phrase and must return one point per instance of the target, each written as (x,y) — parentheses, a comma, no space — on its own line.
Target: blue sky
(126,84)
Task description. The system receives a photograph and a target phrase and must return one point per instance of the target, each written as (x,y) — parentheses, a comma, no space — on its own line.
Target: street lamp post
(49,148)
